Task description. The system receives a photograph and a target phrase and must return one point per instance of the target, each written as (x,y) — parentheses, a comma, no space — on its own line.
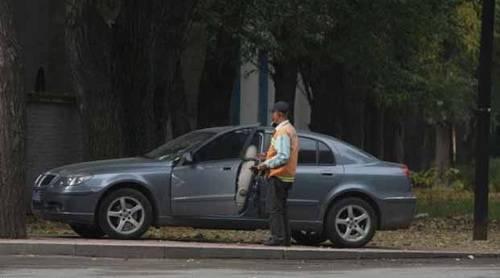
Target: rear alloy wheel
(308,237)
(125,214)
(87,231)
(351,223)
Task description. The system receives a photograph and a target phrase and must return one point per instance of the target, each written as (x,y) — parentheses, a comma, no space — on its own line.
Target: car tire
(308,237)
(87,231)
(351,223)
(125,214)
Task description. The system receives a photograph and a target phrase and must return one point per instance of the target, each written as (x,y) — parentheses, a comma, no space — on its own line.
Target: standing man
(281,165)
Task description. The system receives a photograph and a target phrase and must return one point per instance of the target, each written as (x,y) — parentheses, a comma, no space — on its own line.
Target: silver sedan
(203,179)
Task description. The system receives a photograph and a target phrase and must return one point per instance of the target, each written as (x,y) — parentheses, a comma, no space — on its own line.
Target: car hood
(111,166)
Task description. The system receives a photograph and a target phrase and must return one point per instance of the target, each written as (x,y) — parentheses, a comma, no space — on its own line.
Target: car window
(257,140)
(352,155)
(325,154)
(174,148)
(226,146)
(267,141)
(307,151)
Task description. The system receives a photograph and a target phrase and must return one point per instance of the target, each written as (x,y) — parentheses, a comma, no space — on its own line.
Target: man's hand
(262,167)
(261,156)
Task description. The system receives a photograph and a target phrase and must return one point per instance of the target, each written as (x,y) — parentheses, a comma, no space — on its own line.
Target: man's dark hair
(281,106)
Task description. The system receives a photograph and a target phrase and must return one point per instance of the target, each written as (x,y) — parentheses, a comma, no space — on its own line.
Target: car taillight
(406,171)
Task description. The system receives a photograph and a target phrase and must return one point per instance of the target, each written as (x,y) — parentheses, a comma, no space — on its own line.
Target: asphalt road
(35,266)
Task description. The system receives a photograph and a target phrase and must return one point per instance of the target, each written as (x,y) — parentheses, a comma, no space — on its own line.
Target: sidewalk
(195,250)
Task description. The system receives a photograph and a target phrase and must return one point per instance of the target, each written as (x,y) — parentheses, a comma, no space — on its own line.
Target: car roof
(309,134)
(269,129)
(216,129)
(219,129)
(301,132)
(320,136)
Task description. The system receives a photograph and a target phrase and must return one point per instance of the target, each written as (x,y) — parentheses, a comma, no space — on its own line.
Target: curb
(191,250)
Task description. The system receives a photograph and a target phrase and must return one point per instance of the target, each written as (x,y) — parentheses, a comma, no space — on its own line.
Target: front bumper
(397,212)
(67,207)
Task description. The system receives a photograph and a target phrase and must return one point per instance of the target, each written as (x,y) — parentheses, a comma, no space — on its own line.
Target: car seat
(245,176)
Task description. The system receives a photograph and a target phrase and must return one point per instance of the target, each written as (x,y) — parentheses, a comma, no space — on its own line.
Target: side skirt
(207,222)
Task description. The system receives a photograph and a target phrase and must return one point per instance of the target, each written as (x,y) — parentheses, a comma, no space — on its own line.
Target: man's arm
(282,146)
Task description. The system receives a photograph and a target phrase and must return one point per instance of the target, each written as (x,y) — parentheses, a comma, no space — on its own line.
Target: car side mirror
(187,157)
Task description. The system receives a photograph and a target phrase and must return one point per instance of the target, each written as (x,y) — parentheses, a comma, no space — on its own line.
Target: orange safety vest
(287,171)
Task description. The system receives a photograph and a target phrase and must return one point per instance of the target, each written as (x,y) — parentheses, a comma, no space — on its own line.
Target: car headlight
(74,180)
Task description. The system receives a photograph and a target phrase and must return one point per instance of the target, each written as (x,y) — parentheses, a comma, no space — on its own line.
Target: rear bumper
(397,212)
(64,207)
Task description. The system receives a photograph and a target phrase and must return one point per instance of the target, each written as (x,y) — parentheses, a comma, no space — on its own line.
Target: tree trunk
(12,109)
(285,82)
(217,82)
(353,120)
(443,146)
(374,129)
(132,74)
(427,148)
(465,142)
(88,40)
(393,138)
(177,106)
(415,132)
(124,62)
(148,41)
(327,85)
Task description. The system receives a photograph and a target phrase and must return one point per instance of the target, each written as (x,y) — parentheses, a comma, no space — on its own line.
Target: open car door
(206,186)
(247,183)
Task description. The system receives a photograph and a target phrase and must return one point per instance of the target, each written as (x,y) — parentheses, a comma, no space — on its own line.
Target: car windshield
(176,147)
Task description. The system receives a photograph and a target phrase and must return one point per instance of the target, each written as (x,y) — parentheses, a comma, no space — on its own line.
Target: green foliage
(424,179)
(450,86)
(446,202)
(452,178)
(467,175)
(495,174)
(282,27)
(460,178)
(406,53)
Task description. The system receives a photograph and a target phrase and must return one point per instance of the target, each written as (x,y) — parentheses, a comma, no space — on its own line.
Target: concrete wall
(249,103)
(53,137)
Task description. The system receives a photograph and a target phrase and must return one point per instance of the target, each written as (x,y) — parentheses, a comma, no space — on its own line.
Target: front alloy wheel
(351,223)
(125,214)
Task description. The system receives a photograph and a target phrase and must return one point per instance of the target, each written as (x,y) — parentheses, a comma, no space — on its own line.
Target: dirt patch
(454,233)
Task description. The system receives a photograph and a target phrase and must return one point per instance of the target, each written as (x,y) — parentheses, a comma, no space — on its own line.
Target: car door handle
(326,173)
(227,168)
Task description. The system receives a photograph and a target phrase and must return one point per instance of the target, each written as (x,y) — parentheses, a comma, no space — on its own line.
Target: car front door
(207,185)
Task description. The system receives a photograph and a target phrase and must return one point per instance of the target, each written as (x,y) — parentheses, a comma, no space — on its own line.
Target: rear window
(311,151)
(352,155)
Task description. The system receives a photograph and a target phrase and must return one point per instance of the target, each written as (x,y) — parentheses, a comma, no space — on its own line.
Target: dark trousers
(276,204)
